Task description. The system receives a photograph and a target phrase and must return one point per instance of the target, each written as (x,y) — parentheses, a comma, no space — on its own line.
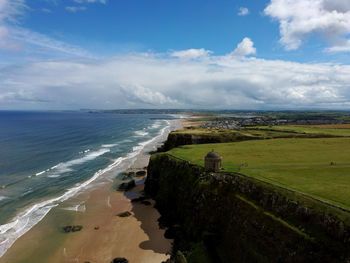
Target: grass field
(334,129)
(266,132)
(317,167)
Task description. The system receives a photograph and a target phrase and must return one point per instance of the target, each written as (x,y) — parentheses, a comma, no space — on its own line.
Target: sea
(48,157)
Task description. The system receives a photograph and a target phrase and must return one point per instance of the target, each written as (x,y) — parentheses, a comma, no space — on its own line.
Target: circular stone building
(212,162)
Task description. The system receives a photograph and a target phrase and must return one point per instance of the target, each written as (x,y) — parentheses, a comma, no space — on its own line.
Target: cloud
(46,10)
(300,19)
(191,53)
(243,11)
(20,96)
(141,95)
(343,47)
(10,10)
(46,44)
(75,9)
(80,8)
(3,32)
(24,41)
(245,48)
(91,1)
(159,81)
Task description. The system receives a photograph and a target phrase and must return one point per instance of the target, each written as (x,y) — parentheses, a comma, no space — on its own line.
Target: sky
(198,54)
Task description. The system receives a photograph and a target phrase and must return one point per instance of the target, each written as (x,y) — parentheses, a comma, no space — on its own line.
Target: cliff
(188,137)
(206,136)
(228,217)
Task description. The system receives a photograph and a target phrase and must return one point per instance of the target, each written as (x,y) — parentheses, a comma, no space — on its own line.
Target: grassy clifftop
(341,130)
(235,218)
(282,196)
(197,135)
(318,167)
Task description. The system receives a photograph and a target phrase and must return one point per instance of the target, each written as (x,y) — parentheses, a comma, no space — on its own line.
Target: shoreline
(95,208)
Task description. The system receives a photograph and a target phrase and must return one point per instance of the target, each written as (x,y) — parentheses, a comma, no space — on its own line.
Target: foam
(2,197)
(141,133)
(156,125)
(40,173)
(53,175)
(109,145)
(27,192)
(25,220)
(61,168)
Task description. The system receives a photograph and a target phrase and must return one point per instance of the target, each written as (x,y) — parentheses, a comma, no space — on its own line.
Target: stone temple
(212,162)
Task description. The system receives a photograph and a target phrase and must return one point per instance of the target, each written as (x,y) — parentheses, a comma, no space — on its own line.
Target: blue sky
(113,27)
(159,26)
(219,50)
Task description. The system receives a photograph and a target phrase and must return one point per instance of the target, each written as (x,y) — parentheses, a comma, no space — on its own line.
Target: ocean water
(47,157)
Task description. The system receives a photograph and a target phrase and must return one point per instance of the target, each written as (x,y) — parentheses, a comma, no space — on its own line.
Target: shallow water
(47,157)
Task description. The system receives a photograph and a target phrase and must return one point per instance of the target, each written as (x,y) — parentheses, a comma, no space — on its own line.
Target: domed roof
(213,155)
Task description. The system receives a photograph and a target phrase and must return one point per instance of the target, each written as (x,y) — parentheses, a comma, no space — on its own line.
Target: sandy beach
(105,235)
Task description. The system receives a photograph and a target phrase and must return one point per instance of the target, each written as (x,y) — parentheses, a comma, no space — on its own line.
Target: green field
(266,132)
(316,167)
(333,130)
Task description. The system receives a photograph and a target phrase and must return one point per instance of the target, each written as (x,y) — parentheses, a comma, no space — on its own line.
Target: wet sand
(104,236)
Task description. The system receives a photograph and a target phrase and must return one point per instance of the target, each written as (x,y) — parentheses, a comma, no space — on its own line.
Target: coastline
(104,235)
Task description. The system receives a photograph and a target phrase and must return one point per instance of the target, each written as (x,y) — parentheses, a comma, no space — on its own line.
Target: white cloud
(337,5)
(157,80)
(343,47)
(75,9)
(191,53)
(138,94)
(46,10)
(245,48)
(16,38)
(9,11)
(91,1)
(3,32)
(34,40)
(300,19)
(243,11)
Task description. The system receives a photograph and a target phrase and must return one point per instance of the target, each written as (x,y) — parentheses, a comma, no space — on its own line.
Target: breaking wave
(27,219)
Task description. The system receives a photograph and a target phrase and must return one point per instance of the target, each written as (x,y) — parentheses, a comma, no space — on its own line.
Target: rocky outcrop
(120,260)
(240,219)
(126,186)
(124,214)
(69,229)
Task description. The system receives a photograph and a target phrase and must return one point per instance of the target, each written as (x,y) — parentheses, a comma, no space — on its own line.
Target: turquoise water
(46,157)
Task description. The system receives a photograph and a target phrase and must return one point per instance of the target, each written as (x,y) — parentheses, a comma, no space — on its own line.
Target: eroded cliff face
(188,137)
(176,139)
(240,219)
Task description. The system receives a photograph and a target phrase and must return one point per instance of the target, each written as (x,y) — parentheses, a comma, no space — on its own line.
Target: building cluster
(236,123)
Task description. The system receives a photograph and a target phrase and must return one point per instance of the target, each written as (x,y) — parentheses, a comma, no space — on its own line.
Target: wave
(27,192)
(156,125)
(53,175)
(141,133)
(25,220)
(3,197)
(40,173)
(57,170)
(109,145)
(60,168)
